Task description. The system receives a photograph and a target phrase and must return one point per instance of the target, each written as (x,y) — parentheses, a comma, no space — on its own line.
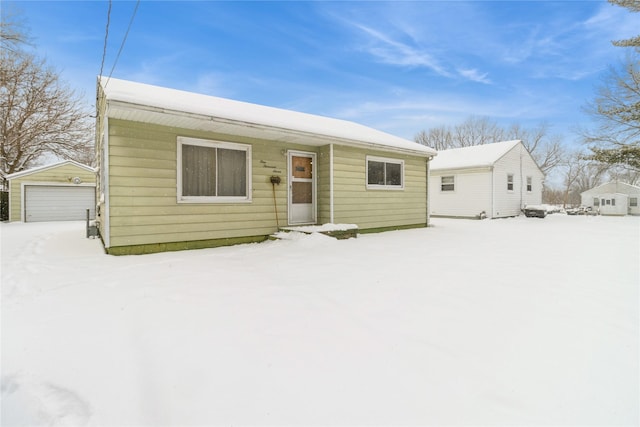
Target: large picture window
(213,171)
(385,173)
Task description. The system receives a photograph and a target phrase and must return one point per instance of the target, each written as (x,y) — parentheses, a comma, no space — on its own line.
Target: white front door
(302,188)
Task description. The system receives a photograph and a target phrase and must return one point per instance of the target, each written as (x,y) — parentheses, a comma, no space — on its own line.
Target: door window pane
(301,192)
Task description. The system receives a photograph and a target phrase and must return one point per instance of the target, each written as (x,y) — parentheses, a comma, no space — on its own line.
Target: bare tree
(616,109)
(633,6)
(439,138)
(547,150)
(477,131)
(12,33)
(38,114)
(574,168)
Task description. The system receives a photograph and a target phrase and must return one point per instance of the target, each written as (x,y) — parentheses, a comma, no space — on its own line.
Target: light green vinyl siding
(379,208)
(143,203)
(324,185)
(60,175)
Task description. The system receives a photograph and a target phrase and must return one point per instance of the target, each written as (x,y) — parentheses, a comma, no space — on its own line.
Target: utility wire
(106,36)
(124,39)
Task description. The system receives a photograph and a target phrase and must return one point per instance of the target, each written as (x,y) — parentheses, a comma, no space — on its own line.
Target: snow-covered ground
(515,321)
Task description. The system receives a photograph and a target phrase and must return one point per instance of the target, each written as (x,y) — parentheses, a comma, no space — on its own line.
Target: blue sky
(396,66)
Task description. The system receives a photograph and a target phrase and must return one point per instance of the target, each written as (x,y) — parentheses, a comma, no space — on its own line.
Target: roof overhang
(47,167)
(182,119)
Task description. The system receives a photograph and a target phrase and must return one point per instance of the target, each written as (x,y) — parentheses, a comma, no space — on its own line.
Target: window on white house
(447,183)
(510,182)
(608,202)
(529,184)
(613,202)
(602,202)
(596,201)
(633,201)
(383,173)
(213,171)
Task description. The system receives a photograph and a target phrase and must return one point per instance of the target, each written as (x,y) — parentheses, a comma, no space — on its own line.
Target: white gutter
(331,218)
(321,139)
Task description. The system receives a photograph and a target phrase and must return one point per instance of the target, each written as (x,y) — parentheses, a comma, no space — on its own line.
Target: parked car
(581,210)
(535,211)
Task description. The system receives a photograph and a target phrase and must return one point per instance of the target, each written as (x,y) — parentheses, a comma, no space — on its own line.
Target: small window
(596,201)
(613,202)
(633,201)
(213,171)
(385,173)
(447,183)
(608,202)
(529,184)
(510,182)
(602,202)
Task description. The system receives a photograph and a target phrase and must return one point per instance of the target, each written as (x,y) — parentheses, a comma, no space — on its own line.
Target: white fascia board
(162,116)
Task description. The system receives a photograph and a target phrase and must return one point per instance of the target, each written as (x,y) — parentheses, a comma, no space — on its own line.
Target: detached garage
(59,192)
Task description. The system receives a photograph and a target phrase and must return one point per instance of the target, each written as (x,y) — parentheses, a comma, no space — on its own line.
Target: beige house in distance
(181,170)
(60,191)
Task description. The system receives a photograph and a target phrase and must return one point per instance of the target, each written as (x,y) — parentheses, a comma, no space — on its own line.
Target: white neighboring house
(613,198)
(492,180)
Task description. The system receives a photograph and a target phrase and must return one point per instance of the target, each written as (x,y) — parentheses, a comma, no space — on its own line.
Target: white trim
(314,184)
(104,186)
(454,184)
(512,182)
(210,143)
(384,160)
(331,206)
(23,191)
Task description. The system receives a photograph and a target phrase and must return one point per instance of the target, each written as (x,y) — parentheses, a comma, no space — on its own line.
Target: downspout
(521,183)
(105,184)
(427,180)
(493,192)
(331,218)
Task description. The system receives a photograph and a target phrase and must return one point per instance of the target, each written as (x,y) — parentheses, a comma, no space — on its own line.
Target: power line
(106,36)
(124,39)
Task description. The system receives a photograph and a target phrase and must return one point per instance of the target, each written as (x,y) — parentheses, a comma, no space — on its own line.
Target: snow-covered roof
(154,104)
(614,187)
(47,167)
(472,157)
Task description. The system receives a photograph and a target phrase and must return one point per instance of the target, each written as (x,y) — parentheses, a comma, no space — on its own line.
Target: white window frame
(633,201)
(183,140)
(510,182)
(385,186)
(453,177)
(529,184)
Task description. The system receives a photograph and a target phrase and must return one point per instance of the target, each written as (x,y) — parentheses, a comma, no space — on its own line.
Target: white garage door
(58,203)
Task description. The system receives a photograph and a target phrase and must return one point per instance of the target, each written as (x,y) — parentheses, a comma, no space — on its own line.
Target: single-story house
(61,191)
(180,170)
(613,198)
(484,181)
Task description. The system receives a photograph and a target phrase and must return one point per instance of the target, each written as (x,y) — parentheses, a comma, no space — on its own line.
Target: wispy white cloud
(474,75)
(397,53)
